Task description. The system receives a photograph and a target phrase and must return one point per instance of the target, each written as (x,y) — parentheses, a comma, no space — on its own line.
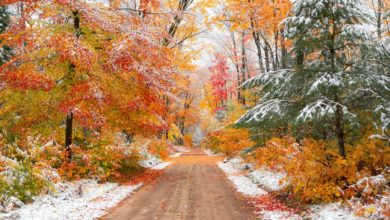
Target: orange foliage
(103,162)
(229,141)
(159,147)
(23,79)
(188,140)
(315,171)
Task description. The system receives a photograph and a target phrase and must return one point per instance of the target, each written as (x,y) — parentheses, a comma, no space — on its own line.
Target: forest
(100,98)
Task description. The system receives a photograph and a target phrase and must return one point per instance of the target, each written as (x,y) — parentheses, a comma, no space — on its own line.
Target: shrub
(21,182)
(101,162)
(229,141)
(316,172)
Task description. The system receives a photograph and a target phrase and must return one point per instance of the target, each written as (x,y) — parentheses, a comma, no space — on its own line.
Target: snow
(331,211)
(149,160)
(85,199)
(268,109)
(267,179)
(377,207)
(176,155)
(242,183)
(258,182)
(209,152)
(273,215)
(181,149)
(161,166)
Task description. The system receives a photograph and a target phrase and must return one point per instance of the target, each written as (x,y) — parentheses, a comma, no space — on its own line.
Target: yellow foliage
(174,133)
(315,171)
(159,147)
(229,141)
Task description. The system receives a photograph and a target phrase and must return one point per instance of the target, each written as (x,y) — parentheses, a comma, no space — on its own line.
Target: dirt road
(193,187)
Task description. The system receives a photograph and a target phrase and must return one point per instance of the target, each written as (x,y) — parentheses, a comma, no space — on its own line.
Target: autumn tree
(340,82)
(219,81)
(89,64)
(261,19)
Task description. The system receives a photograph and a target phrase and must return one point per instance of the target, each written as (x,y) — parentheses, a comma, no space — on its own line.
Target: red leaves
(71,49)
(269,203)
(27,79)
(86,102)
(144,57)
(145,177)
(219,78)
(9,2)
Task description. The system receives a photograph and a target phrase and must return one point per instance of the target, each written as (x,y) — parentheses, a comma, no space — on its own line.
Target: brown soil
(193,187)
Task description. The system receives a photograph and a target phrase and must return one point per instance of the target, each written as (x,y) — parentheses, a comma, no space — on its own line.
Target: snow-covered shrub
(371,196)
(315,172)
(21,181)
(159,148)
(104,162)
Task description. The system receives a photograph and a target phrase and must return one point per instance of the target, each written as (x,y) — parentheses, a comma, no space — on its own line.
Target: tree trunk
(238,87)
(69,116)
(300,58)
(236,65)
(68,134)
(267,63)
(183,5)
(276,39)
(256,37)
(243,64)
(379,19)
(284,50)
(340,130)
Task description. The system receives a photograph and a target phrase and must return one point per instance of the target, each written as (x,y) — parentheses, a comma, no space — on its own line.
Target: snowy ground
(161,166)
(179,150)
(242,183)
(149,160)
(260,182)
(84,199)
(210,152)
(79,200)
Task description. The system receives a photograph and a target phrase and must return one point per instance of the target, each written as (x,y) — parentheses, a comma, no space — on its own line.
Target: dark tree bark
(283,50)
(256,38)
(182,7)
(68,134)
(339,128)
(69,117)
(267,59)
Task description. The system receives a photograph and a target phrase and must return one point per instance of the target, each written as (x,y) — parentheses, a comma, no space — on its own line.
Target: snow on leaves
(94,61)
(86,101)
(271,109)
(70,49)
(342,68)
(23,79)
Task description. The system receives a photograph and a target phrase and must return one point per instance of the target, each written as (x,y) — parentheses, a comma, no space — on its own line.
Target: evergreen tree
(5,52)
(340,82)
